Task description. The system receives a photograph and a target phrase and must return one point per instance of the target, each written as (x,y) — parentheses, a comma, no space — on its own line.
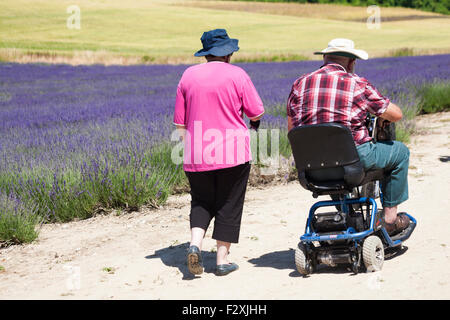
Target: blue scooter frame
(350,233)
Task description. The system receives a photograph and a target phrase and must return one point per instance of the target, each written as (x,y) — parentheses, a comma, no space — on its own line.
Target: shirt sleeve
(375,102)
(292,102)
(179,117)
(251,102)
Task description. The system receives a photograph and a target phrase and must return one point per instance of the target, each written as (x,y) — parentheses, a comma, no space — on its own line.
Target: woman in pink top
(211,101)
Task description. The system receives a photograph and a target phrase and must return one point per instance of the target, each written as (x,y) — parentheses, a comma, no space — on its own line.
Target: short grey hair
(338,59)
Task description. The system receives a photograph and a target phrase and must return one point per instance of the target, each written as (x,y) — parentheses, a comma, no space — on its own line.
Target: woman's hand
(255,124)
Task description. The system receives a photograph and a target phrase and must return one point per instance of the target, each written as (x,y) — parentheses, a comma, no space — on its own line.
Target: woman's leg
(202,211)
(197,235)
(230,194)
(222,252)
(202,204)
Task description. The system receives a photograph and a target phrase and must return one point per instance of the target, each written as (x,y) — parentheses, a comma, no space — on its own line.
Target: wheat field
(138,31)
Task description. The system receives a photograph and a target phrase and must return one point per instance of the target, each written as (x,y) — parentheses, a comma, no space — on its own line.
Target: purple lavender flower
(93,123)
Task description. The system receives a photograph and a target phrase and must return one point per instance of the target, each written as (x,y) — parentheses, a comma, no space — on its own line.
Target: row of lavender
(77,138)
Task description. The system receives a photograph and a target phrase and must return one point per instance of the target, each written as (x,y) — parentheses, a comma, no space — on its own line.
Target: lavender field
(78,139)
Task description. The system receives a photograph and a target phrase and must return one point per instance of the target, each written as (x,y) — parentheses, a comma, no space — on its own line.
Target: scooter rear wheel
(301,262)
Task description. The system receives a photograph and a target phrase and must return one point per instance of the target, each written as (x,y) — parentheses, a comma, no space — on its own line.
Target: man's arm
(290,123)
(376,104)
(393,113)
(293,105)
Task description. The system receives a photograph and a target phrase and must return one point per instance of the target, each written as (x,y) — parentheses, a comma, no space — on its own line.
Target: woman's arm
(181,130)
(257,117)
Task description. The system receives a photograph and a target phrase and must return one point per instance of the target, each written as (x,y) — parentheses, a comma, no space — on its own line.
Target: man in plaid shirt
(334,93)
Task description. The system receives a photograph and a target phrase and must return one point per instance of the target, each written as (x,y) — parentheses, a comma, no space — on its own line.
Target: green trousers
(393,157)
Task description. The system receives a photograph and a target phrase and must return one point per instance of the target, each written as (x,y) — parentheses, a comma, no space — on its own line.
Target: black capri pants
(219,194)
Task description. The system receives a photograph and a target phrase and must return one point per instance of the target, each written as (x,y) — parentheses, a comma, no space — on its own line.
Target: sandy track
(142,255)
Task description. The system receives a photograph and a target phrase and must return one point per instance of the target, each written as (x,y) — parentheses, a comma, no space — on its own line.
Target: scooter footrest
(405,234)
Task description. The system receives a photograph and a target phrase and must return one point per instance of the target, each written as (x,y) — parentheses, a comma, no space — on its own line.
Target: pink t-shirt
(211,101)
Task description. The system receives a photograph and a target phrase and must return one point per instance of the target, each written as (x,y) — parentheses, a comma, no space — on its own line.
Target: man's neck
(335,64)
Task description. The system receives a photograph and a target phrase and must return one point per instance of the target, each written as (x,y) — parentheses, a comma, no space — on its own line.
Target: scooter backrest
(320,146)
(323,154)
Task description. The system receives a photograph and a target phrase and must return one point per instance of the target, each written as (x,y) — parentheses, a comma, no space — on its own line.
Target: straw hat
(344,47)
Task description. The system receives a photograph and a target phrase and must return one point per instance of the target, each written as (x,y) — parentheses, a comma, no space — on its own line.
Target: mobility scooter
(353,233)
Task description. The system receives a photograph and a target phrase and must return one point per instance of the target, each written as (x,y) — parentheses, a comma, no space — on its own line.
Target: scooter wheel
(301,262)
(373,253)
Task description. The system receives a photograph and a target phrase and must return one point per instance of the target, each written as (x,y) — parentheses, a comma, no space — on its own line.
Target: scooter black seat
(327,160)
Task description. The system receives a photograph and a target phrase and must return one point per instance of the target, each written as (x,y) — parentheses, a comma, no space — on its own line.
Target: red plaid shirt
(331,94)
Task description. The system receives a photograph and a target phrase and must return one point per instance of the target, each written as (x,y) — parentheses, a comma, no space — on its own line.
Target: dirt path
(142,255)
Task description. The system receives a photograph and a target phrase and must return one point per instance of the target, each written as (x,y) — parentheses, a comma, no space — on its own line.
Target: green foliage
(402,52)
(405,128)
(67,196)
(438,6)
(17,222)
(402,134)
(147,59)
(435,97)
(270,58)
(278,110)
(285,146)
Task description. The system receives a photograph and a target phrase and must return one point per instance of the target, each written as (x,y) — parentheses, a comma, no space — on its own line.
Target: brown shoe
(401,223)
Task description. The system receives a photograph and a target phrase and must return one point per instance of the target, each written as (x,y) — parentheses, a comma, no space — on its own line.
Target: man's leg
(390,214)
(393,157)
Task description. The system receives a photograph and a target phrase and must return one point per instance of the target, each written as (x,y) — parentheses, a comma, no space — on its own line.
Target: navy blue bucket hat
(217,43)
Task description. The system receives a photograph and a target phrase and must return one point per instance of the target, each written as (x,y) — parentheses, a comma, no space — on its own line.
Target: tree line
(438,6)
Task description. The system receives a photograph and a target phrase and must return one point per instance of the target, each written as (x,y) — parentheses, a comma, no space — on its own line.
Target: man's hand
(383,123)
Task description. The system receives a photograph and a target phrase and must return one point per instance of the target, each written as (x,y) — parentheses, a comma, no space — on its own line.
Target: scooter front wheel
(373,253)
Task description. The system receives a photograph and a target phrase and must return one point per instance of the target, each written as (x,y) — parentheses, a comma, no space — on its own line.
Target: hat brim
(221,51)
(352,53)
